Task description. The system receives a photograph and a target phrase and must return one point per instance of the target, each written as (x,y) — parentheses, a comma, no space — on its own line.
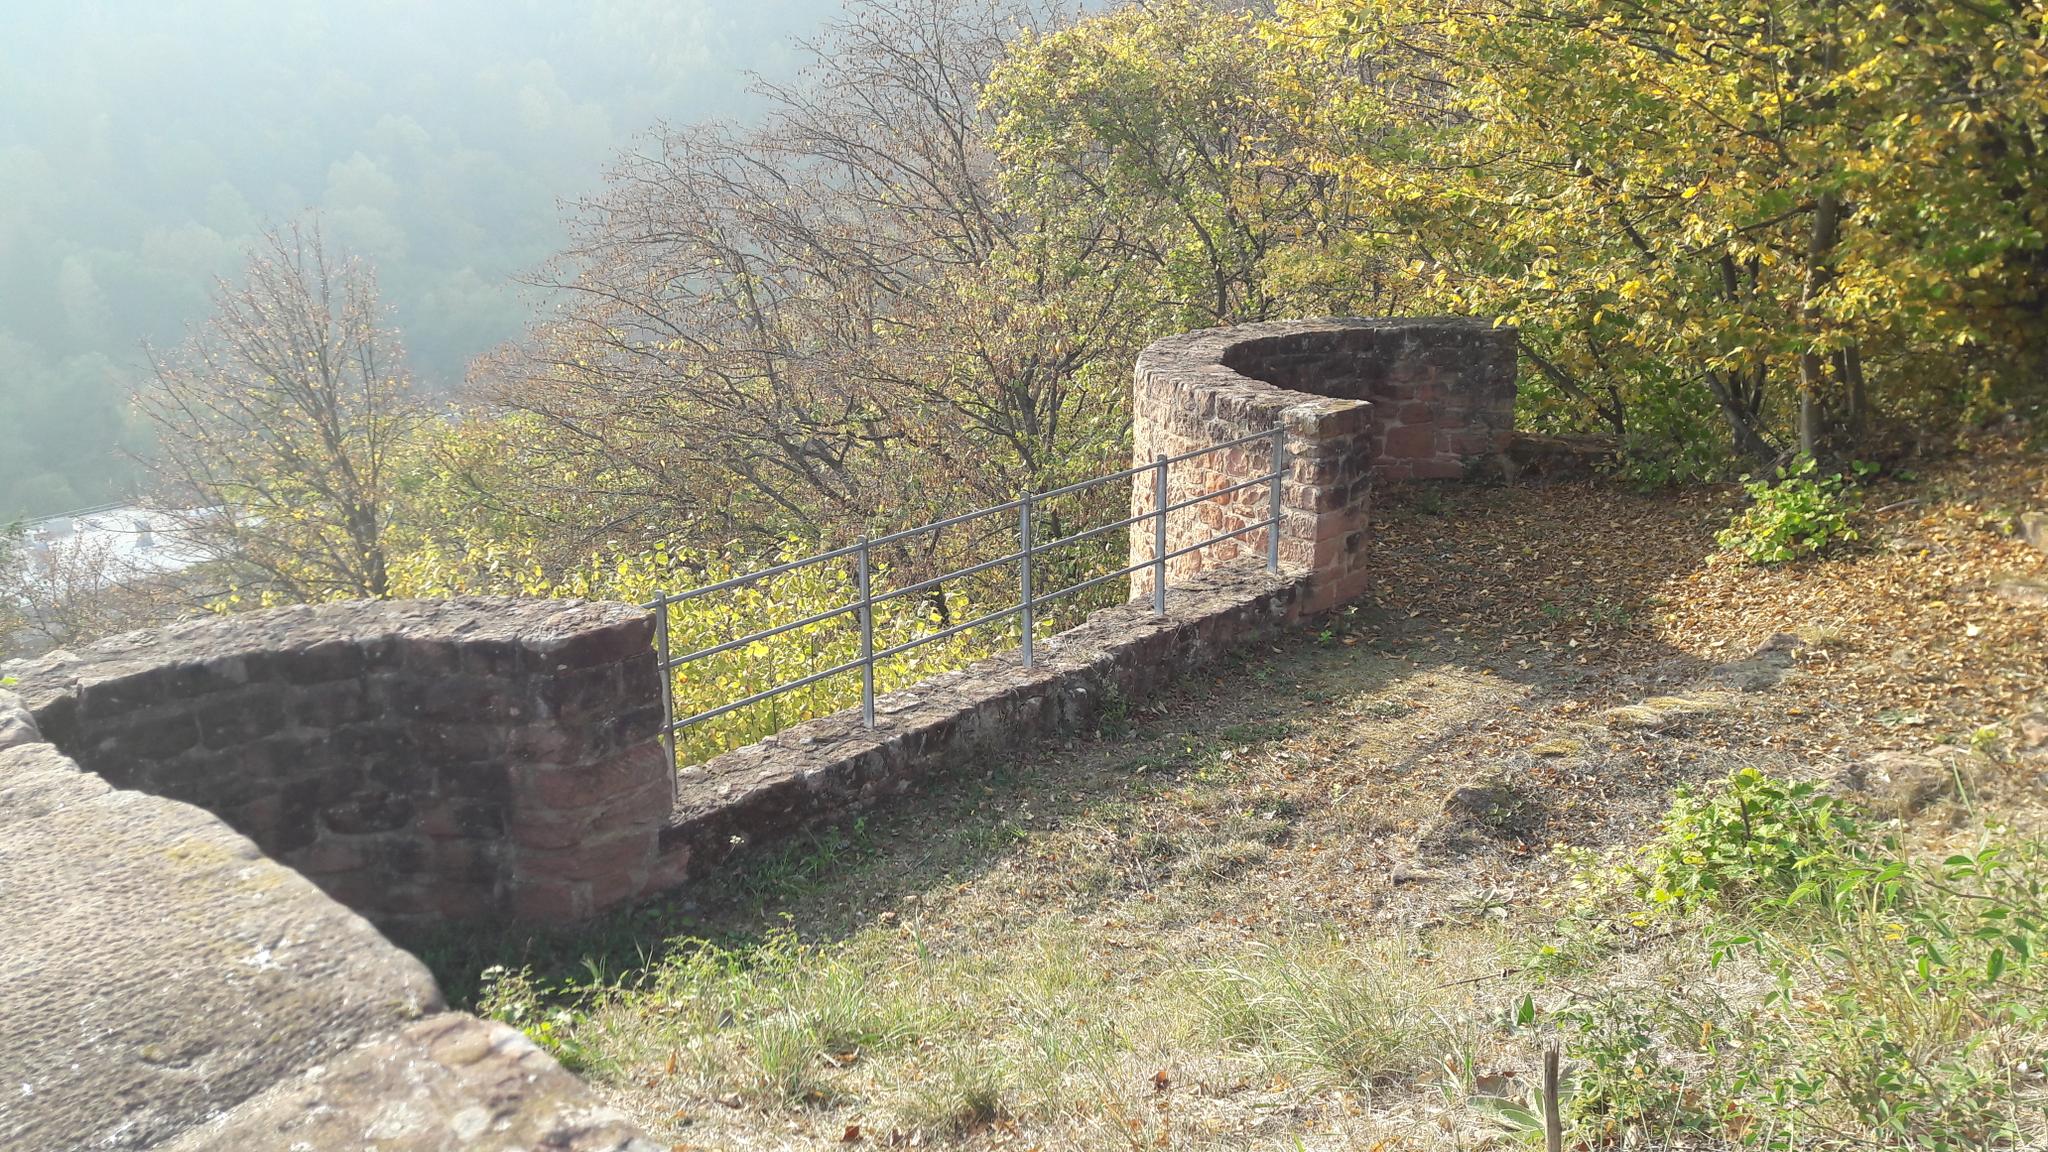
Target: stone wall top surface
(552,627)
(1203,355)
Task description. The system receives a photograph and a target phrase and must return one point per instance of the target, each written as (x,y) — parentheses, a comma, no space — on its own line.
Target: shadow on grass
(1487,579)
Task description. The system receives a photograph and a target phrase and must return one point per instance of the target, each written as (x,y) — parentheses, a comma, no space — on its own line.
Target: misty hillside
(143,147)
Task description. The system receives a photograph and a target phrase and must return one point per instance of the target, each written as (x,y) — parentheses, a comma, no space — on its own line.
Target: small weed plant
(1830,989)
(1749,839)
(1800,514)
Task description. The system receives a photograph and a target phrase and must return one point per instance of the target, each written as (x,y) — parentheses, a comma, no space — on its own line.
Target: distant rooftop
(123,541)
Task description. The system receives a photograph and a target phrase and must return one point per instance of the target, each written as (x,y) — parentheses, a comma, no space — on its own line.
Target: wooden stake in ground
(1553,1118)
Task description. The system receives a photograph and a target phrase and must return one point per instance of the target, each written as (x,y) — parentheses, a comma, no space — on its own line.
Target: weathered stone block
(593,859)
(242,716)
(1412,441)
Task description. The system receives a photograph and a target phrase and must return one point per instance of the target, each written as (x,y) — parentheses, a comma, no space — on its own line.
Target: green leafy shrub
(1832,989)
(1799,515)
(1750,838)
(516,997)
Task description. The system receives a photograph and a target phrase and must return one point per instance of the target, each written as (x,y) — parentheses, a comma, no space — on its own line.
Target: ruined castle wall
(419,761)
(1360,400)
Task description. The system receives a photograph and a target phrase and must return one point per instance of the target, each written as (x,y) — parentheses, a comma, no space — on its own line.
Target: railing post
(1024,571)
(668,690)
(867,637)
(1273,499)
(1159,502)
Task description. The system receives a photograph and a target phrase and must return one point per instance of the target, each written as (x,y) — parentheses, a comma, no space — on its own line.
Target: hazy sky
(143,143)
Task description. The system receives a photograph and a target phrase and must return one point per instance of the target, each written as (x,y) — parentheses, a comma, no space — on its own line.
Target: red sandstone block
(590,860)
(360,891)
(1342,589)
(587,785)
(1323,419)
(671,869)
(1316,470)
(1416,412)
(1331,533)
(458,902)
(461,820)
(327,856)
(1439,468)
(402,900)
(618,888)
(1312,498)
(551,832)
(463,862)
(610,644)
(1469,443)
(550,901)
(1296,553)
(645,811)
(1412,441)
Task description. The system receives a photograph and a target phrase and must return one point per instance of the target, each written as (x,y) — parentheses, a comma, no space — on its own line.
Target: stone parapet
(1360,401)
(418,760)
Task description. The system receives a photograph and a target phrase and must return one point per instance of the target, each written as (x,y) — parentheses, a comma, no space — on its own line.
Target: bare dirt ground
(1062,951)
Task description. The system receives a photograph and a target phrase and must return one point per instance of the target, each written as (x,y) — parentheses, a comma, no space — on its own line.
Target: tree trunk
(1849,364)
(1812,371)
(1742,420)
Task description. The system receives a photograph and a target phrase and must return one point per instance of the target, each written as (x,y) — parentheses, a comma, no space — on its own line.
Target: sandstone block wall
(1361,400)
(419,761)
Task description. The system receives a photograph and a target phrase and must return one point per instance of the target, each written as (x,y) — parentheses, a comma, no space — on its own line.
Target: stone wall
(826,769)
(168,987)
(419,761)
(1361,400)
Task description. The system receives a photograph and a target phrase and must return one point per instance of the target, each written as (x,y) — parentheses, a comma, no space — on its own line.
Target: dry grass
(1244,919)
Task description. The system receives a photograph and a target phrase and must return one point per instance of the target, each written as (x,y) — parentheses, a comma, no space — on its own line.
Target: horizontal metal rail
(756,637)
(1095,482)
(783,569)
(948,633)
(1091,582)
(970,570)
(1077,537)
(765,693)
(1023,610)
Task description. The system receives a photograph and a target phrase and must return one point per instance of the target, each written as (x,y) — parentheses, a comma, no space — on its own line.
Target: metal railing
(1024,609)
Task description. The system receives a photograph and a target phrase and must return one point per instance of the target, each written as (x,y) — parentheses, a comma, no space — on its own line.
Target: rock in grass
(1492,807)
(2033,528)
(2026,591)
(1898,784)
(2030,734)
(1762,669)
(1661,712)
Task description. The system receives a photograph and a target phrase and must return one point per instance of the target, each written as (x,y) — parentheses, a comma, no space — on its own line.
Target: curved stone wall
(419,761)
(1361,400)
